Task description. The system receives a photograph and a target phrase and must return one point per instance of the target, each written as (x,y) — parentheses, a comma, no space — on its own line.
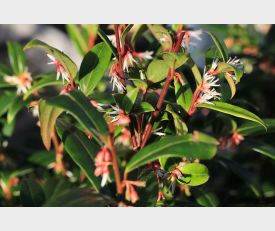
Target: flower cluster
(22,82)
(102,162)
(60,70)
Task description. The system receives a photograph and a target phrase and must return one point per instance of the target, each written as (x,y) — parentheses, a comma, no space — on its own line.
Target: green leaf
(149,193)
(183,93)
(18,104)
(44,81)
(196,145)
(76,103)
(265,149)
(231,84)
(196,72)
(42,158)
(125,32)
(160,32)
(143,108)
(78,197)
(205,198)
(175,60)
(68,64)
(220,46)
(93,67)
(6,100)
(47,117)
(232,110)
(157,71)
(75,34)
(249,128)
(105,39)
(194,174)
(31,193)
(81,150)
(129,99)
(180,125)
(17,57)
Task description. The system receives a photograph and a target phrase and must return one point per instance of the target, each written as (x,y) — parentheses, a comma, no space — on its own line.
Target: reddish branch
(112,149)
(155,114)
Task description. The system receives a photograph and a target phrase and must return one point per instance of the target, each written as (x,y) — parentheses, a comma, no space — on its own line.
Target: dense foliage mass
(140,122)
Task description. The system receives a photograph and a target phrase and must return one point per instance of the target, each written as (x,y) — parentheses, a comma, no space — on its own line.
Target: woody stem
(120,53)
(115,163)
(155,114)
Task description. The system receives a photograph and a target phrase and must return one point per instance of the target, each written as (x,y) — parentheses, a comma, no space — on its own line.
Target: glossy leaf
(183,93)
(76,103)
(265,149)
(220,46)
(196,72)
(129,99)
(44,81)
(249,128)
(68,64)
(160,33)
(143,108)
(194,174)
(93,67)
(125,32)
(232,110)
(175,59)
(47,117)
(105,39)
(81,150)
(31,193)
(17,57)
(157,71)
(196,145)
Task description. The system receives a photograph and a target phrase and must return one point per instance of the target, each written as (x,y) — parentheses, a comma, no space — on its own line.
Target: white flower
(128,60)
(115,80)
(158,133)
(105,178)
(118,116)
(235,62)
(146,55)
(59,68)
(112,38)
(214,64)
(142,75)
(208,81)
(22,81)
(191,38)
(207,89)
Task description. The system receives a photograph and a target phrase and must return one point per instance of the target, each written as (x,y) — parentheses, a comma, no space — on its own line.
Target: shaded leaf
(47,117)
(31,193)
(93,67)
(81,150)
(76,103)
